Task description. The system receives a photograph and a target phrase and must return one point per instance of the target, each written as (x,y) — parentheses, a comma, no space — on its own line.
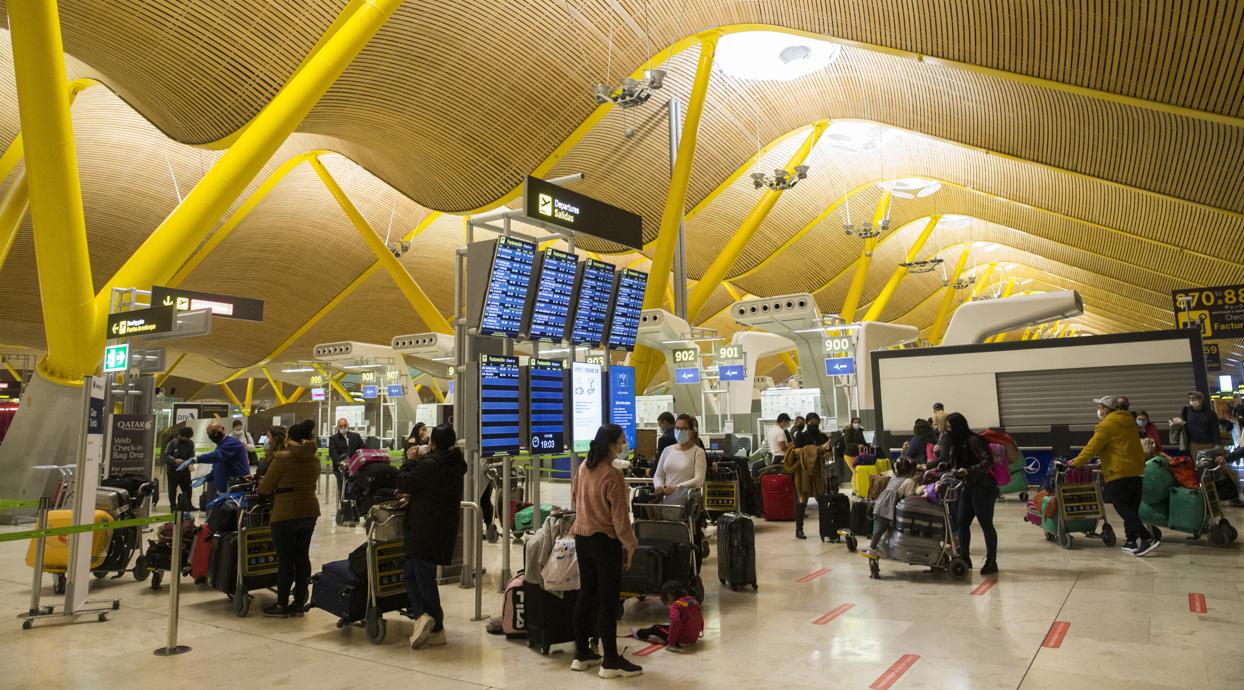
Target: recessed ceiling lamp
(853,136)
(773,55)
(910,187)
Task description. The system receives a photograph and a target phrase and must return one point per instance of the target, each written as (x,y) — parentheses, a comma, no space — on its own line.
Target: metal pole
(507,529)
(41,523)
(174,594)
(680,247)
(473,507)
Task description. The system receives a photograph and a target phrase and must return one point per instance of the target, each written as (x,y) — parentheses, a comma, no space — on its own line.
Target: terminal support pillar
(12,210)
(721,265)
(250,397)
(74,335)
(169,372)
(948,299)
(392,265)
(896,278)
(856,289)
(276,387)
(335,382)
(171,244)
(229,394)
(296,395)
(646,361)
(983,279)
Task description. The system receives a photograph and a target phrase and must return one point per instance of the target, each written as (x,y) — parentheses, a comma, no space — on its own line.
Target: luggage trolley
(386,585)
(941,553)
(672,531)
(721,492)
(132,493)
(1221,532)
(1077,492)
(256,555)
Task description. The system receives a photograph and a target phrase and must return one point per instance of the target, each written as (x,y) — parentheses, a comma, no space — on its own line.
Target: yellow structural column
(414,294)
(856,290)
(896,278)
(276,386)
(9,366)
(296,395)
(250,397)
(724,261)
(13,209)
(335,381)
(231,396)
(983,279)
(169,371)
(74,337)
(948,299)
(171,244)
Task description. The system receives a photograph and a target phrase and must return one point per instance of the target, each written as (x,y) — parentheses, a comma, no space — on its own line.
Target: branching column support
(852,302)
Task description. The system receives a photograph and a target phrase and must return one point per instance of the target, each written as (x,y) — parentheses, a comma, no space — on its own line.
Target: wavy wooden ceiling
(453,103)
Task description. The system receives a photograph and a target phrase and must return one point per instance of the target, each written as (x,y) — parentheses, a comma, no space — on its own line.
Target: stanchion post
(174,595)
(41,523)
(478,568)
(507,528)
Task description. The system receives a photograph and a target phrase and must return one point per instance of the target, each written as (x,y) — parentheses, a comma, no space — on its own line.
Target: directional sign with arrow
(129,324)
(227,306)
(686,376)
(839,366)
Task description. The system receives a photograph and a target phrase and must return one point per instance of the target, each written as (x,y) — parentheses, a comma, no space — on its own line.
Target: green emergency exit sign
(116,358)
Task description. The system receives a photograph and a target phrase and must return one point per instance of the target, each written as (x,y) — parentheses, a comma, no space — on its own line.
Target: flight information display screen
(587,404)
(592,311)
(508,283)
(500,413)
(628,302)
(546,404)
(550,311)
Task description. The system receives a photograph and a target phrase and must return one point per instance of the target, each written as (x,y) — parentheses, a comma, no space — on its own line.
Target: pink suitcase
(364,457)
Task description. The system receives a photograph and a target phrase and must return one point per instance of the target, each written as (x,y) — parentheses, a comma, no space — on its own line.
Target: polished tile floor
(1129,625)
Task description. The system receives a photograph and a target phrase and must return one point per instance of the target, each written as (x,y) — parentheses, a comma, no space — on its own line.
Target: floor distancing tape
(812,575)
(833,614)
(655,647)
(896,671)
(983,588)
(1054,638)
(1196,602)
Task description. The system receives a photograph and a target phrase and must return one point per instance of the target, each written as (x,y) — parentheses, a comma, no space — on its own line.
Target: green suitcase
(523,519)
(1187,510)
(1157,482)
(1155,513)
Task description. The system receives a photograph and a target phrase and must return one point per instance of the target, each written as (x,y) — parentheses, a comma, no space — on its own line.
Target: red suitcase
(778,491)
(199,553)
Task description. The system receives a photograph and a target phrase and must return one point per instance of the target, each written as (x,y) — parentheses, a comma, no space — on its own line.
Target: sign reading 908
(1217,311)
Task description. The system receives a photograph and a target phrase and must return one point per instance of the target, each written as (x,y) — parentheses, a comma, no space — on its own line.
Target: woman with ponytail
(604,542)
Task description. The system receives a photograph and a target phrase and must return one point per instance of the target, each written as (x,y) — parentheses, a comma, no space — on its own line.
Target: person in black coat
(341,446)
(433,485)
(178,450)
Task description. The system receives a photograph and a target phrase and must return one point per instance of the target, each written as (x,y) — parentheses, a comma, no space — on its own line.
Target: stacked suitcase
(736,551)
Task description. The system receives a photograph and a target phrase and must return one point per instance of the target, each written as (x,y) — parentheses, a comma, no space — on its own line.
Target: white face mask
(624,451)
(1196,404)
(341,430)
(1101,413)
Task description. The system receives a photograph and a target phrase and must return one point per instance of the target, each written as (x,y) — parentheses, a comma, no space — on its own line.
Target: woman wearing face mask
(853,437)
(1148,429)
(809,475)
(968,454)
(684,464)
(1200,425)
(604,542)
(249,443)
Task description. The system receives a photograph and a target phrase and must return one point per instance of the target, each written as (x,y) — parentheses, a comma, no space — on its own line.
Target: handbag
(561,571)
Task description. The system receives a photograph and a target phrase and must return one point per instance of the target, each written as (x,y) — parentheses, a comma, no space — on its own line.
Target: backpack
(514,610)
(1001,467)
(561,572)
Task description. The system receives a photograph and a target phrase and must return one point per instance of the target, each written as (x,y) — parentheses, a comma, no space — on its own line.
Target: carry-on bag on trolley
(778,491)
(833,513)
(550,617)
(862,518)
(56,551)
(200,554)
(365,456)
(514,608)
(736,551)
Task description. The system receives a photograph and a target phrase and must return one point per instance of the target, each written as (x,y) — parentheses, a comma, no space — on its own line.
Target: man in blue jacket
(227,461)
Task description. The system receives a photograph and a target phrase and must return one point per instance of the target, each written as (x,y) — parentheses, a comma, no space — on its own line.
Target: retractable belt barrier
(79,529)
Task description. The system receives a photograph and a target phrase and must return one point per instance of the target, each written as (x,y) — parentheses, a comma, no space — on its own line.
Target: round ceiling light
(854,136)
(911,187)
(773,55)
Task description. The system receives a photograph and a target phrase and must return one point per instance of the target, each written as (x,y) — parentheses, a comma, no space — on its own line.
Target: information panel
(1217,311)
(586,401)
(546,394)
(622,400)
(628,302)
(506,298)
(550,310)
(592,310)
(499,405)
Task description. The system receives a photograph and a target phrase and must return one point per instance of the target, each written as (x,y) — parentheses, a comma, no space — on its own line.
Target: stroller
(921,533)
(122,497)
(671,547)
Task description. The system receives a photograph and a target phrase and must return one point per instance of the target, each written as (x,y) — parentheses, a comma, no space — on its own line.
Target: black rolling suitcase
(647,571)
(835,514)
(336,590)
(222,568)
(550,618)
(736,551)
(862,518)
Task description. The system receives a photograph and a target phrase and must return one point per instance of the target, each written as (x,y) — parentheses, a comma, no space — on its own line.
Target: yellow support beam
(883,300)
(335,381)
(13,210)
(231,396)
(948,299)
(74,335)
(276,386)
(418,299)
(8,366)
(983,279)
(721,265)
(169,371)
(296,395)
(856,290)
(250,397)
(175,240)
(791,364)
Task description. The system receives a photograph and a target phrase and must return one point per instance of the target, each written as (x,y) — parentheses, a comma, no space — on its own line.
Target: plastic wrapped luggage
(917,533)
(56,551)
(778,491)
(1187,510)
(112,500)
(861,520)
(550,618)
(1155,513)
(833,514)
(525,519)
(1157,482)
(364,457)
(736,551)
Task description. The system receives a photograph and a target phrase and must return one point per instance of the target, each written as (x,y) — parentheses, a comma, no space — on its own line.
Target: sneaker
(1129,547)
(990,568)
(679,649)
(422,630)
(1147,547)
(437,639)
(492,533)
(870,552)
(621,668)
(276,611)
(585,662)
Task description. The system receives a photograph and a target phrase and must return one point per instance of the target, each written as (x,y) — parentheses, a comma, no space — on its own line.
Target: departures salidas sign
(568,209)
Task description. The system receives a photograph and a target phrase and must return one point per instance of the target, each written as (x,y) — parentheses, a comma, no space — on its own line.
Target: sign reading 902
(687,356)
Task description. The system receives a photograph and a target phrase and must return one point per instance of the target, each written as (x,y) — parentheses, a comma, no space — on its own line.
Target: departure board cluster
(554,294)
(500,405)
(628,303)
(508,283)
(592,310)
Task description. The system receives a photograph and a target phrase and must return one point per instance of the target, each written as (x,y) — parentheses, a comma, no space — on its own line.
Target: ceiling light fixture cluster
(633,92)
(780,180)
(922,265)
(965,283)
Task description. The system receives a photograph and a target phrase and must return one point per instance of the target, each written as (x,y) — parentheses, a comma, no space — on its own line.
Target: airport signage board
(564,208)
(395,390)
(116,358)
(1217,311)
(140,322)
(1213,359)
(317,394)
(732,372)
(586,404)
(370,392)
(131,444)
(228,306)
(839,366)
(687,376)
(622,400)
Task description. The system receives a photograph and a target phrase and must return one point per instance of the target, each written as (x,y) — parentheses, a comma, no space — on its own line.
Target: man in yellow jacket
(1117,443)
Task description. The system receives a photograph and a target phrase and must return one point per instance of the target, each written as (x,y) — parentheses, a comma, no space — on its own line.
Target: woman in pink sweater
(604,542)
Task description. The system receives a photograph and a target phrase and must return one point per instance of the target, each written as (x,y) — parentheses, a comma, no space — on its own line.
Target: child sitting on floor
(903,484)
(686,620)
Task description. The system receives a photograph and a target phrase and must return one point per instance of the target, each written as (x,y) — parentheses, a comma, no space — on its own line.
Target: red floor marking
(812,575)
(983,588)
(656,647)
(1196,602)
(896,671)
(833,614)
(1054,638)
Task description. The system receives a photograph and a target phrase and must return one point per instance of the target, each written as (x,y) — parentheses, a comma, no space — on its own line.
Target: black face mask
(216,436)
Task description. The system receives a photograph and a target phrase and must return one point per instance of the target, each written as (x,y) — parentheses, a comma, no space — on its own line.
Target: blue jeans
(424,593)
(292,540)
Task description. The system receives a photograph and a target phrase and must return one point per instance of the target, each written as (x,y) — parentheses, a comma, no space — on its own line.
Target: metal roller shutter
(1063,396)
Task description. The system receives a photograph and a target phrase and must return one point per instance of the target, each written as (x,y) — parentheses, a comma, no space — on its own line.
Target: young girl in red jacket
(686,620)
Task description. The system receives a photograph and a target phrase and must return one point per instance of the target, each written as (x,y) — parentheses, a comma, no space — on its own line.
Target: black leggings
(292,539)
(178,482)
(977,501)
(600,582)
